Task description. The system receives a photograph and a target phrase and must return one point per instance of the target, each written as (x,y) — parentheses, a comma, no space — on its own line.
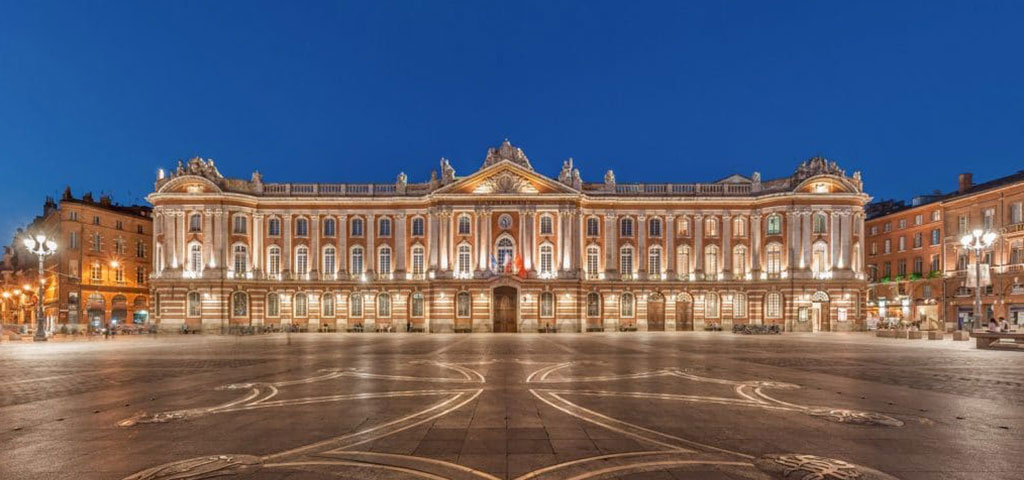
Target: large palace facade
(507,249)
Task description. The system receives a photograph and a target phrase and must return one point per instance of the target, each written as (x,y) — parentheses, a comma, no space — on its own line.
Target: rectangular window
(73,268)
(888,246)
(901,268)
(119,225)
(935,236)
(935,263)
(1015,213)
(95,220)
(239,225)
(140,249)
(74,216)
(918,219)
(962,224)
(918,265)
(903,223)
(140,275)
(936,215)
(874,230)
(96,242)
(887,227)
(96,272)
(918,240)
(989,219)
(73,241)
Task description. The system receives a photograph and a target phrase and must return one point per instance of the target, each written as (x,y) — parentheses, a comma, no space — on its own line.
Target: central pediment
(506,178)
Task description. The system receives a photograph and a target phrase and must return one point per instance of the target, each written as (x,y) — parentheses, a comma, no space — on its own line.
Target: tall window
(654,260)
(330,260)
(384,305)
(357,227)
(96,272)
(902,242)
(384,227)
(739,261)
(773,305)
(241,255)
(819,222)
(593,304)
(626,227)
(547,304)
(329,227)
(301,302)
(626,260)
(739,227)
(384,263)
(194,304)
(274,260)
(593,227)
(239,304)
(274,227)
(273,305)
(195,222)
(918,265)
(711,260)
(140,275)
(239,224)
(302,260)
(683,260)
(962,224)
(626,305)
(462,305)
(465,264)
(301,227)
(988,220)
(417,260)
(546,225)
(140,249)
(546,259)
(505,249)
(773,259)
(654,227)
(327,305)
(97,242)
(417,227)
(355,305)
(711,305)
(935,236)
(774,225)
(464,224)
(119,274)
(357,261)
(819,257)
(1016,216)
(593,256)
(739,305)
(918,240)
(711,227)
(416,305)
(1016,253)
(684,226)
(73,241)
(195,257)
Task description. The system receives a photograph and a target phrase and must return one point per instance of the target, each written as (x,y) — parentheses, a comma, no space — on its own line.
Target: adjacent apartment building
(508,249)
(100,273)
(917,266)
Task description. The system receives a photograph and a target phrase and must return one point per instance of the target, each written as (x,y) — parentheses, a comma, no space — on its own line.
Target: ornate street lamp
(41,247)
(978,241)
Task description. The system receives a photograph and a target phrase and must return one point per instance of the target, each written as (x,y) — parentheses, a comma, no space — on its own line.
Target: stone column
(314,248)
(846,240)
(478,235)
(755,246)
(670,252)
(442,233)
(792,240)
(434,236)
(833,240)
(611,254)
(401,246)
(577,243)
(342,258)
(531,240)
(286,253)
(209,257)
(179,238)
(698,246)
(640,259)
(370,258)
(257,242)
(727,247)
(486,238)
(806,242)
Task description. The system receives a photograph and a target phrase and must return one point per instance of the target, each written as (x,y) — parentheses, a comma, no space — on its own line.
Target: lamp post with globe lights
(41,247)
(978,241)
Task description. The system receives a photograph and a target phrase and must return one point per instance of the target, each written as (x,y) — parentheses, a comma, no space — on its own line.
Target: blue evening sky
(99,94)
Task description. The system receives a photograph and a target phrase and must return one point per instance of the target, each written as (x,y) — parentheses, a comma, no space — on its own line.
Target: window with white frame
(936,236)
(773,258)
(465,263)
(97,242)
(384,265)
(274,260)
(140,274)
(73,241)
(547,304)
(239,304)
(195,258)
(505,249)
(593,304)
(819,257)
(195,306)
(330,260)
(593,227)
(711,260)
(119,274)
(357,227)
(626,260)
(384,305)
(988,220)
(654,260)
(274,227)
(273,305)
(918,219)
(330,227)
(654,227)
(739,305)
(417,260)
(626,304)
(96,272)
(355,305)
(546,259)
(710,227)
(774,224)
(739,261)
(546,225)
(1016,213)
(302,260)
(684,226)
(626,227)
(773,305)
(239,224)
(301,303)
(463,305)
(384,227)
(464,224)
(241,257)
(593,257)
(417,227)
(818,223)
(739,227)
(936,215)
(416,305)
(301,227)
(357,260)
(683,260)
(195,222)
(711,305)
(327,305)
(140,249)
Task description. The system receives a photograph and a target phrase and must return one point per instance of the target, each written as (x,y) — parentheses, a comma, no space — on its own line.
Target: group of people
(1002,326)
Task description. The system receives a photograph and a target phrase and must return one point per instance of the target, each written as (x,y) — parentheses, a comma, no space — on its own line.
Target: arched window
(505,249)
(273,305)
(302,260)
(819,257)
(239,304)
(626,305)
(462,305)
(739,261)
(274,260)
(195,257)
(593,227)
(464,263)
(241,257)
(711,261)
(819,223)
(683,260)
(626,260)
(383,305)
(384,262)
(357,227)
(417,227)
(330,260)
(774,226)
(274,227)
(357,261)
(739,305)
(710,227)
(739,227)
(384,227)
(654,260)
(593,260)
(417,260)
(327,305)
(626,227)
(546,259)
(547,304)
(711,304)
(195,306)
(355,305)
(195,222)
(329,227)
(416,305)
(464,224)
(593,304)
(773,305)
(301,305)
(546,225)
(773,258)
(301,227)
(654,227)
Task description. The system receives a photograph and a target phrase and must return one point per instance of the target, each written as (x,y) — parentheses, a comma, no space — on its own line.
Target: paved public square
(624,405)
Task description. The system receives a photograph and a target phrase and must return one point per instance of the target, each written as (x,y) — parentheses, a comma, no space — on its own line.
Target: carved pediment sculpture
(506,183)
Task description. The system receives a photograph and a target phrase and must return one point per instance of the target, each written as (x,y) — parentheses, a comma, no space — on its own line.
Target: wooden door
(505,310)
(656,315)
(684,316)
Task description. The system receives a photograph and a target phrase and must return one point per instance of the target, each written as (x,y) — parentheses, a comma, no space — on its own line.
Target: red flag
(520,268)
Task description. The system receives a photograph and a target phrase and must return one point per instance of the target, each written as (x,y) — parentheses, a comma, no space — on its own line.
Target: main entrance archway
(505,306)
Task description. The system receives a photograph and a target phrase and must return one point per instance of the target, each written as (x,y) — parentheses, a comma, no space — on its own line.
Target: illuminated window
(239,304)
(626,305)
(383,305)
(547,304)
(462,303)
(327,305)
(711,305)
(273,305)
(593,304)
(301,305)
(194,304)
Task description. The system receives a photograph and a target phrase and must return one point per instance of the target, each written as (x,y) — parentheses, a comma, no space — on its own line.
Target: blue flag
(494,263)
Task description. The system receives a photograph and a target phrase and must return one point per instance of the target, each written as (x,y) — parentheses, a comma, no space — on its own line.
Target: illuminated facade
(508,249)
